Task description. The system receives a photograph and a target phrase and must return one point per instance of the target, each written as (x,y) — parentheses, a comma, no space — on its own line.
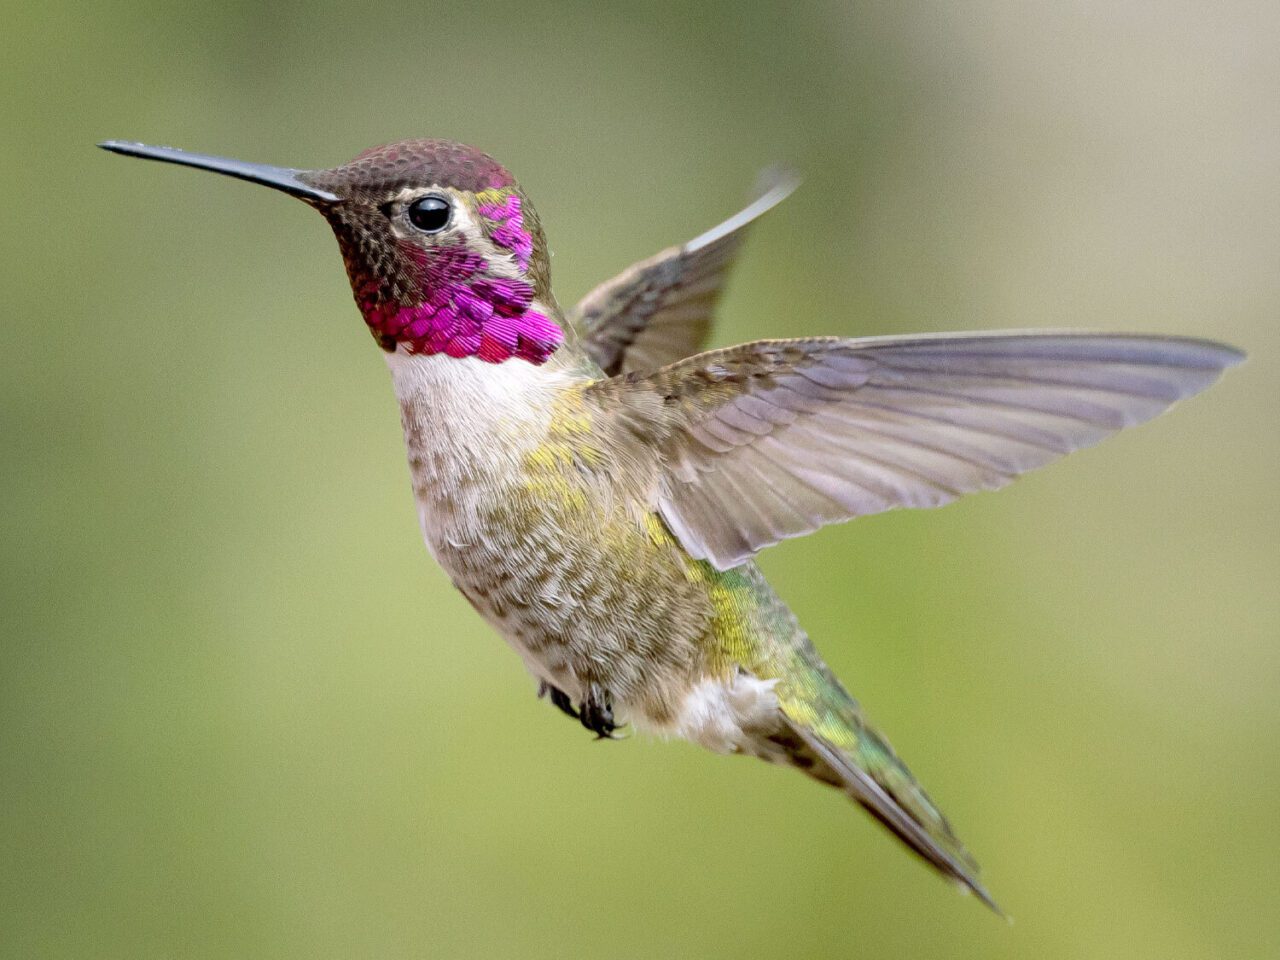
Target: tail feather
(869,772)
(819,729)
(913,819)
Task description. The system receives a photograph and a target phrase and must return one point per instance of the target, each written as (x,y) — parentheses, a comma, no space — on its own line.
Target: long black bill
(281,178)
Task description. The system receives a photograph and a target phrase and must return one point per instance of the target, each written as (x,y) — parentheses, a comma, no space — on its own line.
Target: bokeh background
(242,714)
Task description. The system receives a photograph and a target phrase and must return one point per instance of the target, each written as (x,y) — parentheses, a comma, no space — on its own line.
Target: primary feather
(774,439)
(660,310)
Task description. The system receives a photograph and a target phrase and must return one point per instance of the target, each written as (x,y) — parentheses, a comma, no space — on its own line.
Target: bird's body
(517,501)
(525,503)
(597,488)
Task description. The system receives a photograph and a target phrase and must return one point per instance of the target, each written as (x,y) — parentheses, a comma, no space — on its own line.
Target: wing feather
(660,310)
(775,439)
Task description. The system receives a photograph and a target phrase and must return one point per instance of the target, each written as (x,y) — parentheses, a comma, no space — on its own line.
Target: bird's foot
(596,713)
(559,699)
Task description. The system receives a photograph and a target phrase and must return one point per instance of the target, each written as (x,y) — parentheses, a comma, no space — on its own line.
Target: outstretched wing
(659,310)
(774,439)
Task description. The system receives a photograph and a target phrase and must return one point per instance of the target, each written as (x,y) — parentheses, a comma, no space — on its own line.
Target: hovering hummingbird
(597,487)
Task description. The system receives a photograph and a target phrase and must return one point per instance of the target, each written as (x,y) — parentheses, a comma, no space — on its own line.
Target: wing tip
(773,186)
(775,183)
(970,885)
(1203,352)
(1232,355)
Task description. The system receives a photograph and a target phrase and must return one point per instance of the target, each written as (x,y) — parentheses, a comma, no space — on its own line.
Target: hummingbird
(597,484)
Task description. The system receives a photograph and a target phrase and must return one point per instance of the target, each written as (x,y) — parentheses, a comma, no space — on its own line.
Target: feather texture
(660,310)
(774,439)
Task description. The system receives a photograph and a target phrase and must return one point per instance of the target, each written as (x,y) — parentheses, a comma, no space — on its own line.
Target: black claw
(559,699)
(596,713)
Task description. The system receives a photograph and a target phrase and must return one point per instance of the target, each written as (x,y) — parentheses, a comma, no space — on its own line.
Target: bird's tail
(825,735)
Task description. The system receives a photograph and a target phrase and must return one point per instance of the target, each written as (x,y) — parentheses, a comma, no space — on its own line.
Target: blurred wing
(774,439)
(659,310)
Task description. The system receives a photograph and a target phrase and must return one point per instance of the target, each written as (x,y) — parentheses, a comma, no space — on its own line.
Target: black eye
(429,214)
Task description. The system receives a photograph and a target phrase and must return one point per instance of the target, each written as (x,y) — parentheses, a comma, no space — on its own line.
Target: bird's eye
(429,214)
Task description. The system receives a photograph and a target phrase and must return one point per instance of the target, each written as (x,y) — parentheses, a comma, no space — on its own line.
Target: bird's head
(444,251)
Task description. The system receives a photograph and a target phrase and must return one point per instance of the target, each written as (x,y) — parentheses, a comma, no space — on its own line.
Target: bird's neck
(469,427)
(454,404)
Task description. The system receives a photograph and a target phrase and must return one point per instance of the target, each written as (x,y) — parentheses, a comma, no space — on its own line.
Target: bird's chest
(559,559)
(497,507)
(504,543)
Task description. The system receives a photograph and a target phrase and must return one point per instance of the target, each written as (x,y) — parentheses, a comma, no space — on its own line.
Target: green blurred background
(242,714)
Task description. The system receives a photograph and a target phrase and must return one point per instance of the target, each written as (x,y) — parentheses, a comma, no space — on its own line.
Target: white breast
(468,425)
